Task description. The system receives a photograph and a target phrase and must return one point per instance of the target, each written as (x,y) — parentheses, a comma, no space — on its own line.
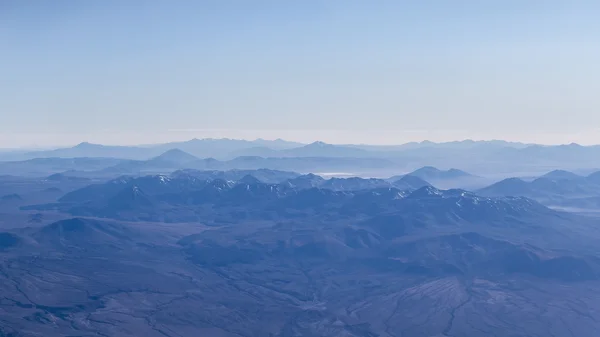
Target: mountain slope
(321,149)
(544,187)
(430,173)
(409,182)
(170,198)
(89,150)
(561,175)
(81,232)
(256,259)
(507,187)
(175,156)
(305,181)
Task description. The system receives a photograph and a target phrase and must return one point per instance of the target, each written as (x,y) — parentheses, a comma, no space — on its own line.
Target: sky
(340,71)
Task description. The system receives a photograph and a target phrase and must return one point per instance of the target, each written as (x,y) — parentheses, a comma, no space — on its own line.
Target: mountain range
(451,178)
(276,253)
(229,148)
(305,256)
(487,161)
(174,159)
(183,196)
(482,157)
(556,188)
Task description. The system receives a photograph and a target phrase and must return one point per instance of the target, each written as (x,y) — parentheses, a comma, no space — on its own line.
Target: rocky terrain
(216,254)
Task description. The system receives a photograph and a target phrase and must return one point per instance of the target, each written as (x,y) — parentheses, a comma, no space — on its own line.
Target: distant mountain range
(174,159)
(225,148)
(45,166)
(556,188)
(558,182)
(229,148)
(202,148)
(432,173)
(485,158)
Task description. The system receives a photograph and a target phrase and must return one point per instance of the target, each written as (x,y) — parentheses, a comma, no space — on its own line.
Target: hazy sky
(339,71)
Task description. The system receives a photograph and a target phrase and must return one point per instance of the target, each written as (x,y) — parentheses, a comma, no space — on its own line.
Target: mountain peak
(508,186)
(410,182)
(176,156)
(318,144)
(86,145)
(427,169)
(249,179)
(426,191)
(432,173)
(561,175)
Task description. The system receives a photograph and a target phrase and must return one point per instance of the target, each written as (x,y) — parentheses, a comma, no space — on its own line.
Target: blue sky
(339,71)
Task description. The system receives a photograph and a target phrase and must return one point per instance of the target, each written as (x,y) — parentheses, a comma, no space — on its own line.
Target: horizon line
(424,141)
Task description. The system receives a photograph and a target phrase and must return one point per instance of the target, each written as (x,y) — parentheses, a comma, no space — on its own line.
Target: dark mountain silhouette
(564,187)
(561,175)
(409,182)
(96,191)
(543,187)
(130,202)
(171,159)
(430,173)
(507,187)
(452,178)
(555,189)
(174,156)
(249,179)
